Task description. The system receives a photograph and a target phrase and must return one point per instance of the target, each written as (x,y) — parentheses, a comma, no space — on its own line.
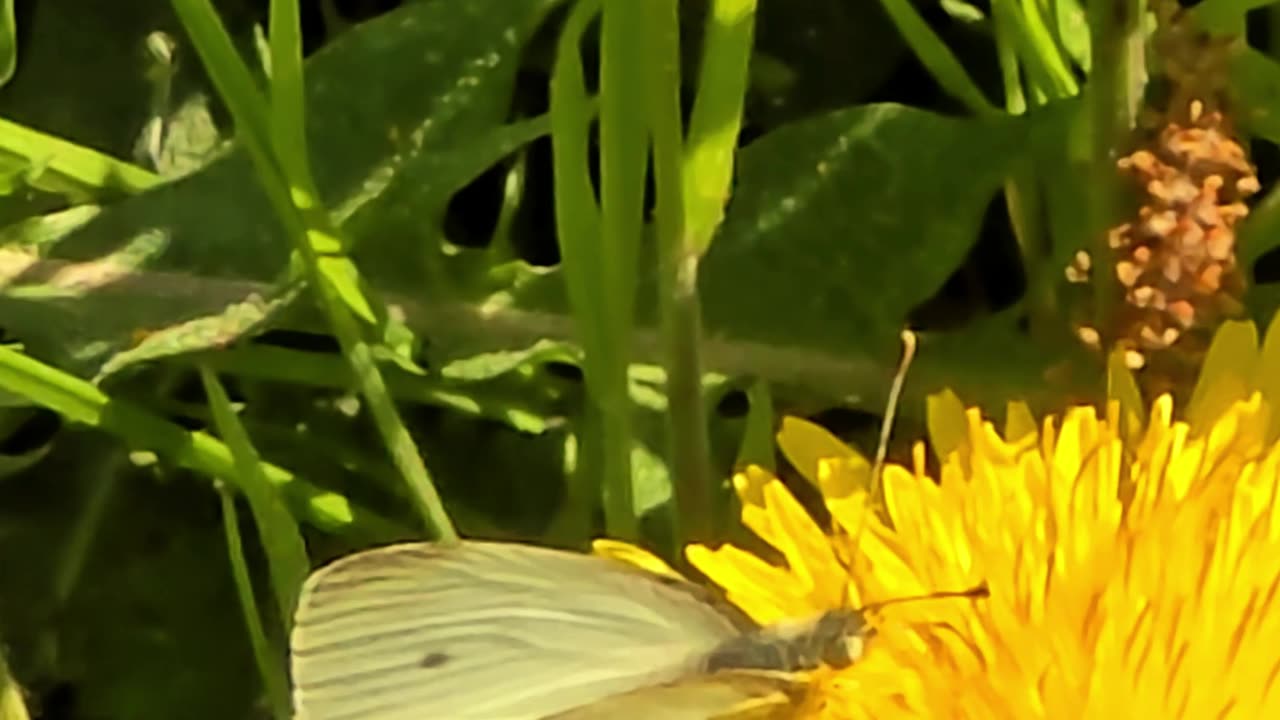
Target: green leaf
(1226,15)
(81,402)
(49,163)
(651,480)
(486,366)
(445,73)
(209,331)
(189,139)
(869,210)
(1256,83)
(41,231)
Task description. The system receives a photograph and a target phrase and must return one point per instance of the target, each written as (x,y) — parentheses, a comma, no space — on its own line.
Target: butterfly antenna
(978,591)
(891,409)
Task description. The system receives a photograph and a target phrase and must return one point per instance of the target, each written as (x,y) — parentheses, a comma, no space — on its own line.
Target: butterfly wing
(492,631)
(720,696)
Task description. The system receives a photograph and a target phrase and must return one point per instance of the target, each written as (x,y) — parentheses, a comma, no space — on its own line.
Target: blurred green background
(870,193)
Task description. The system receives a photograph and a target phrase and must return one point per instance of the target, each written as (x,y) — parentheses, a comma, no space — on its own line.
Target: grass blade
(270,671)
(686,215)
(281,542)
(80,401)
(936,56)
(283,173)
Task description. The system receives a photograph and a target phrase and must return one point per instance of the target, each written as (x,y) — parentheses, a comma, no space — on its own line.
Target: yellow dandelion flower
(1125,579)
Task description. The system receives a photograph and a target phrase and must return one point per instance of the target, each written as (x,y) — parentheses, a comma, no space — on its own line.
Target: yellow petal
(1018,421)
(843,485)
(749,484)
(806,548)
(841,477)
(946,422)
(767,594)
(805,444)
(633,555)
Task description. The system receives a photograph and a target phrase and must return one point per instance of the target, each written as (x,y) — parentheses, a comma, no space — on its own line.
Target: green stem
(1022,193)
(75,166)
(1112,106)
(689,448)
(578,232)
(624,146)
(82,402)
(684,225)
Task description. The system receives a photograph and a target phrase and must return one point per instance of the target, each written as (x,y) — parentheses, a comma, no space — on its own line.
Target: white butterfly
(500,631)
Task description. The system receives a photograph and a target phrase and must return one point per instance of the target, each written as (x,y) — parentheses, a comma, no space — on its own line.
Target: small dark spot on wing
(433,660)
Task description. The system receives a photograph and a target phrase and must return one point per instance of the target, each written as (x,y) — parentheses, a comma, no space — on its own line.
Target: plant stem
(81,402)
(1112,97)
(624,146)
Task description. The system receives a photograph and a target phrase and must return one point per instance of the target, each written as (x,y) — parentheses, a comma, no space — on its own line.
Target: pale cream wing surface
(722,696)
(487,631)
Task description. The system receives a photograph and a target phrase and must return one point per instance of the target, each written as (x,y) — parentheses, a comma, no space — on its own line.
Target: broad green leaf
(188,139)
(1256,82)
(839,227)
(842,224)
(651,480)
(1226,15)
(445,73)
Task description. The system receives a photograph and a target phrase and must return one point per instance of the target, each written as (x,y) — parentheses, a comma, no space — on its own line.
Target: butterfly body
(834,638)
